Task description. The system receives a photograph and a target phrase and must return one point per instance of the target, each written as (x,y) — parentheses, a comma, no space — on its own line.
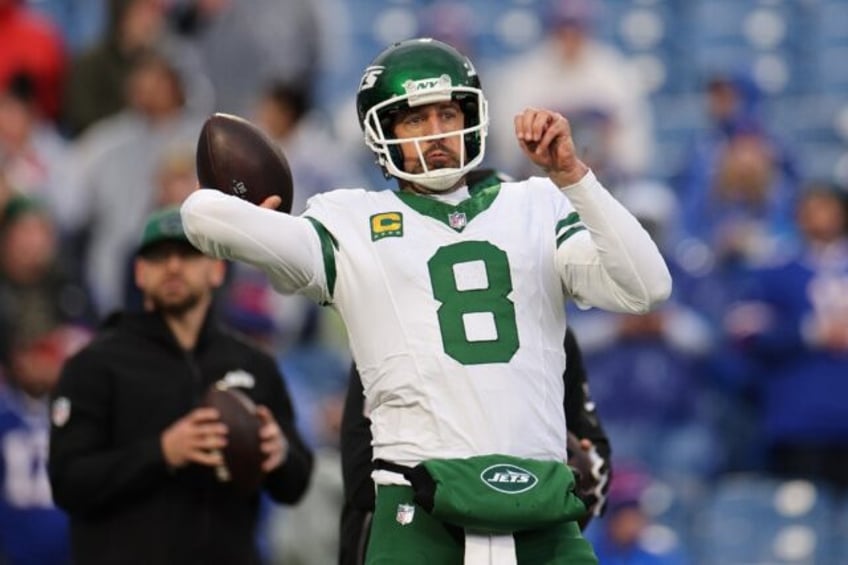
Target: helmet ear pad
(470,109)
(387,123)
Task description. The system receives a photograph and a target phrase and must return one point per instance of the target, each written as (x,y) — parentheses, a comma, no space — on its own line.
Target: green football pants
(426,541)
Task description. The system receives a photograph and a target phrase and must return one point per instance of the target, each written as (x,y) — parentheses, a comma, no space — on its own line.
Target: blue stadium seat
(841,525)
(829,23)
(832,72)
(677,117)
(821,159)
(754,519)
(720,20)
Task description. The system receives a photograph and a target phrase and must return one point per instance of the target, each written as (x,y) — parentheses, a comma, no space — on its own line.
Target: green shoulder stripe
(569,220)
(568,227)
(329,245)
(569,233)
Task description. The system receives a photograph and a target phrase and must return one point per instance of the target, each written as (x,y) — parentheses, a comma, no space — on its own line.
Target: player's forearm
(287,248)
(629,264)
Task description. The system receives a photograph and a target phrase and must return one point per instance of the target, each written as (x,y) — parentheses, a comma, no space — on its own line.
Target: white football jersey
(455,316)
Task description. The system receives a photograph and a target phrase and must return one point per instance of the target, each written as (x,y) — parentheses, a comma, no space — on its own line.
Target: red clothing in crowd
(30,43)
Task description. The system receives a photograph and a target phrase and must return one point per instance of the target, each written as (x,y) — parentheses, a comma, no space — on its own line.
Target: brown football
(242,455)
(236,157)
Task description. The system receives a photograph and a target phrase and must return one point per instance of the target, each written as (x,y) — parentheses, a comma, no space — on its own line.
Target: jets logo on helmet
(370,77)
(413,73)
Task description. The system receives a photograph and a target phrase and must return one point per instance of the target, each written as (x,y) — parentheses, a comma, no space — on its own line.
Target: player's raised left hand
(545,137)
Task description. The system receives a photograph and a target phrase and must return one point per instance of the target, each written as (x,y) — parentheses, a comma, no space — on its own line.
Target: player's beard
(449,160)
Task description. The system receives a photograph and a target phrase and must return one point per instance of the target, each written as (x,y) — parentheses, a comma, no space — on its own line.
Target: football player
(453,294)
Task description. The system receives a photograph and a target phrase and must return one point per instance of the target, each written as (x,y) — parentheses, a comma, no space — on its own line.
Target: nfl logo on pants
(405,514)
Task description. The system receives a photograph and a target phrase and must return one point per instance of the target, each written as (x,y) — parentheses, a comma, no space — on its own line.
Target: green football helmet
(413,73)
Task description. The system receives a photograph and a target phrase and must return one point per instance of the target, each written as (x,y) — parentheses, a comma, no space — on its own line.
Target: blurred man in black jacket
(133,456)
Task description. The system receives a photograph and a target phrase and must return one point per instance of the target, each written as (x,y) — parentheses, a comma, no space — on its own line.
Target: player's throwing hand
(545,137)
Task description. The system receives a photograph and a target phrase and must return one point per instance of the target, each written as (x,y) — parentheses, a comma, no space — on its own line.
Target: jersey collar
(456,216)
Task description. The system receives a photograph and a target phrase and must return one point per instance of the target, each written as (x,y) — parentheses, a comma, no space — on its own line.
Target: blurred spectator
(736,211)
(794,323)
(588,81)
(300,535)
(286,113)
(653,398)
(35,289)
(454,23)
(97,85)
(742,205)
(32,153)
(31,44)
(733,104)
(732,101)
(627,535)
(114,172)
(6,190)
(174,178)
(316,375)
(708,284)
(247,307)
(32,529)
(650,388)
(81,22)
(316,371)
(134,458)
(738,183)
(248,43)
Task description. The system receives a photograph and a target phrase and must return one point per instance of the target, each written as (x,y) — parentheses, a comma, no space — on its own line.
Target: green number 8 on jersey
(464,303)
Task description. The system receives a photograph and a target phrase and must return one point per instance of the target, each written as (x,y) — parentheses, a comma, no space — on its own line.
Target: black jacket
(106,464)
(357,453)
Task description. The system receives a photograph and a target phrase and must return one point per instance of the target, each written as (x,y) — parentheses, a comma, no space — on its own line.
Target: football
(236,157)
(242,455)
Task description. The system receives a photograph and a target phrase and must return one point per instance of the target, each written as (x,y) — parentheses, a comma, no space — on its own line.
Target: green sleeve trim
(569,220)
(569,233)
(329,245)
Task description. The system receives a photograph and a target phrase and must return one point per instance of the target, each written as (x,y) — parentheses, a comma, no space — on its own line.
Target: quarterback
(453,295)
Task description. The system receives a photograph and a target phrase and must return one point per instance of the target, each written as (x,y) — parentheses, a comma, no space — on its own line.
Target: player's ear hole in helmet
(413,73)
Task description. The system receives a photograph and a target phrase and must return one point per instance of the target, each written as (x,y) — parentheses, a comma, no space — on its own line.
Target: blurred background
(721,124)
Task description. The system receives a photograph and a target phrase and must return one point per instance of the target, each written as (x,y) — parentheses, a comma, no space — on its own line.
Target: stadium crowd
(719,123)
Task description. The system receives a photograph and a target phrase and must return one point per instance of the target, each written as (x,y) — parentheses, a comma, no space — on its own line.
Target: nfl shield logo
(405,514)
(457,220)
(60,412)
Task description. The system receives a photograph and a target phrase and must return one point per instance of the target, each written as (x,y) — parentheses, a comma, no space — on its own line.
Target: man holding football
(453,297)
(135,458)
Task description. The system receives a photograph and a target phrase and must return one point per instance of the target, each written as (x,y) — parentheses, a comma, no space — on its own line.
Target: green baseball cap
(161,226)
